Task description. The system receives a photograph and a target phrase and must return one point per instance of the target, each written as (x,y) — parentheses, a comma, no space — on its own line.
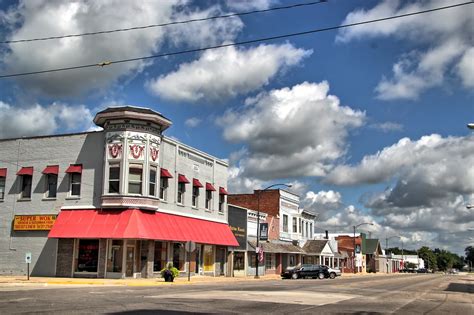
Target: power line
(107,63)
(297,5)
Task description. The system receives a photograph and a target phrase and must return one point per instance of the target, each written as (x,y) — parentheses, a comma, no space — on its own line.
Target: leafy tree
(429,257)
(469,251)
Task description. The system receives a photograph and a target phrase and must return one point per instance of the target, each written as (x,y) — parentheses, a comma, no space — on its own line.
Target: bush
(169,271)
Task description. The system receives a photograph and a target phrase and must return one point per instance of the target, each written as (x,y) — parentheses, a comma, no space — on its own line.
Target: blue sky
(368,123)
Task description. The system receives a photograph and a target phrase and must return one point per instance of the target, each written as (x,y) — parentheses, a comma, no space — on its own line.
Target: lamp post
(258,223)
(386,247)
(353,258)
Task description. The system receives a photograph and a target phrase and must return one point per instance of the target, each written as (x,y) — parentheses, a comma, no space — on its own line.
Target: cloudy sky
(367,122)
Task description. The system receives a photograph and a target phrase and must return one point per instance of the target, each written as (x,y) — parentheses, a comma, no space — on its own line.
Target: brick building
(121,202)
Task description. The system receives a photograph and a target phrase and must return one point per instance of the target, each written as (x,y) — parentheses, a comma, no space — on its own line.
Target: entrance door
(130,261)
(221,255)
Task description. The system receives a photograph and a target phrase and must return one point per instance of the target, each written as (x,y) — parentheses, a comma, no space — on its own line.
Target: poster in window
(264,231)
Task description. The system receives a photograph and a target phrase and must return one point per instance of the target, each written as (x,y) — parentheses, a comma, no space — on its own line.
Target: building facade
(121,202)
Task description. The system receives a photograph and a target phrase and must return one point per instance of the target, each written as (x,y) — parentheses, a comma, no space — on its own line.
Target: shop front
(137,243)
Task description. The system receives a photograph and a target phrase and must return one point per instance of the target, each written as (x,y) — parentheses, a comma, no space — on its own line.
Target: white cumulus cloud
(223,73)
(439,41)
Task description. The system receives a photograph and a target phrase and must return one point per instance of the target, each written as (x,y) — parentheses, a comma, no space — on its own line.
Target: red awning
(3,172)
(182,179)
(51,169)
(25,171)
(197,183)
(222,191)
(210,187)
(165,174)
(74,169)
(138,224)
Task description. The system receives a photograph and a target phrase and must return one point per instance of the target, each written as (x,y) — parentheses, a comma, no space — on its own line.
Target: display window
(178,256)
(87,256)
(239,261)
(208,260)
(161,249)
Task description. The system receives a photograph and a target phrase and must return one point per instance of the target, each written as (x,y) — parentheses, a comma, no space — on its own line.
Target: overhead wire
(215,17)
(112,62)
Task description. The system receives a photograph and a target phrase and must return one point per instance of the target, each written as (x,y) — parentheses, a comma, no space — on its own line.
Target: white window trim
(165,190)
(70,195)
(141,182)
(112,164)
(46,190)
(150,168)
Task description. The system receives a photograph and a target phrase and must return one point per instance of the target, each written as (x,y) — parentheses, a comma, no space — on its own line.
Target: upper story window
(75,178)
(164,176)
(301,226)
(285,223)
(152,181)
(295,225)
(26,177)
(114,178)
(195,198)
(3,175)
(307,230)
(311,230)
(135,177)
(51,173)
(209,190)
(222,194)
(182,181)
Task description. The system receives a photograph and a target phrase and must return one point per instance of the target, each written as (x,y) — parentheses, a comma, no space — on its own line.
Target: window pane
(178,256)
(2,188)
(114,187)
(26,186)
(160,256)
(88,256)
(75,184)
(135,174)
(153,175)
(163,186)
(135,188)
(52,185)
(114,172)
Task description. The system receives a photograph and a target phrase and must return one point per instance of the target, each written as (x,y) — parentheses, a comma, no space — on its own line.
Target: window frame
(76,183)
(181,191)
(134,182)
(164,184)
(150,183)
(221,203)
(47,193)
(195,197)
(22,187)
(3,182)
(285,223)
(295,225)
(208,203)
(114,165)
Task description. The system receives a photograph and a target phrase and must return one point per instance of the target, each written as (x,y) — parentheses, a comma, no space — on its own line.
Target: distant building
(116,203)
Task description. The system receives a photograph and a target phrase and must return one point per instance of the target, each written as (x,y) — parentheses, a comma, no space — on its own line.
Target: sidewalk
(22,281)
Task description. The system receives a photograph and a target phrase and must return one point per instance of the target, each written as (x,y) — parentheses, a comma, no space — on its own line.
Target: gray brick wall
(65,257)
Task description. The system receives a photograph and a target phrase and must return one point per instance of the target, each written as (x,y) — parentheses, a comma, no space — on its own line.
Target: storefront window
(292,260)
(115,257)
(239,261)
(160,256)
(208,258)
(178,256)
(88,256)
(252,258)
(269,261)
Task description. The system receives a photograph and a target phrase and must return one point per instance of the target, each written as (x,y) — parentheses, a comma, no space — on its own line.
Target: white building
(121,202)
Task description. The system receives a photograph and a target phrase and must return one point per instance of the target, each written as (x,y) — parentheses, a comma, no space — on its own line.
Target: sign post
(28,262)
(191,246)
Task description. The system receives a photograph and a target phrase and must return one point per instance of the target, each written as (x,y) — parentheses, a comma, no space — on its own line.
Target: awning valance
(222,191)
(165,174)
(3,172)
(51,169)
(210,187)
(77,168)
(197,183)
(182,179)
(138,224)
(25,171)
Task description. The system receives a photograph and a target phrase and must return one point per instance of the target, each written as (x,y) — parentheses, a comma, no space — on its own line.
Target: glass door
(130,261)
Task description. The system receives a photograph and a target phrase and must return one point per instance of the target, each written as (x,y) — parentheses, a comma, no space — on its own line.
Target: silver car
(334,272)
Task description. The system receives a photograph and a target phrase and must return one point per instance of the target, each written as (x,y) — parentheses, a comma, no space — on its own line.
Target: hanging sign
(263,231)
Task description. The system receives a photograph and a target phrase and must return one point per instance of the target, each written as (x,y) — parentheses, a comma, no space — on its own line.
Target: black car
(306,271)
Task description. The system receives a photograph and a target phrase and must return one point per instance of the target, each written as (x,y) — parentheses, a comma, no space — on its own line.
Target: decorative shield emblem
(115,149)
(154,153)
(136,150)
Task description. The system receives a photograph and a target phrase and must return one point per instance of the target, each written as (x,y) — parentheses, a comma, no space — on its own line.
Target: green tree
(469,252)
(429,258)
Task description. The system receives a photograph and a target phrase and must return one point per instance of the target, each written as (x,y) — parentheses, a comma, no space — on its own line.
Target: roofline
(51,136)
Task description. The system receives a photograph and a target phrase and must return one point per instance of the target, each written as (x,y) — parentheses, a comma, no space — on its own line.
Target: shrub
(170,268)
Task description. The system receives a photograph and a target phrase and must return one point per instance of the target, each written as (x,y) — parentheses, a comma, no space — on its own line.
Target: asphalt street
(404,294)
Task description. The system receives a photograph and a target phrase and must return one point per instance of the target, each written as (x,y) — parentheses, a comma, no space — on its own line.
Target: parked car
(422,270)
(333,272)
(306,271)
(453,271)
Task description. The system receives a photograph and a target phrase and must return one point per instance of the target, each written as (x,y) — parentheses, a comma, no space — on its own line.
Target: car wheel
(294,276)
(321,275)
(332,275)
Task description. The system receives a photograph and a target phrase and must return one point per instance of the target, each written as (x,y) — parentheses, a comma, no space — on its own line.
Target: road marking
(293,297)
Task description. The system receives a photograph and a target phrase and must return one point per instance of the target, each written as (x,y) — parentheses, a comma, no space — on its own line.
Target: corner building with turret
(121,202)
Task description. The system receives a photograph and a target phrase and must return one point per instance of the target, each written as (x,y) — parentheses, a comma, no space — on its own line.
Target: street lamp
(386,247)
(353,258)
(258,223)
